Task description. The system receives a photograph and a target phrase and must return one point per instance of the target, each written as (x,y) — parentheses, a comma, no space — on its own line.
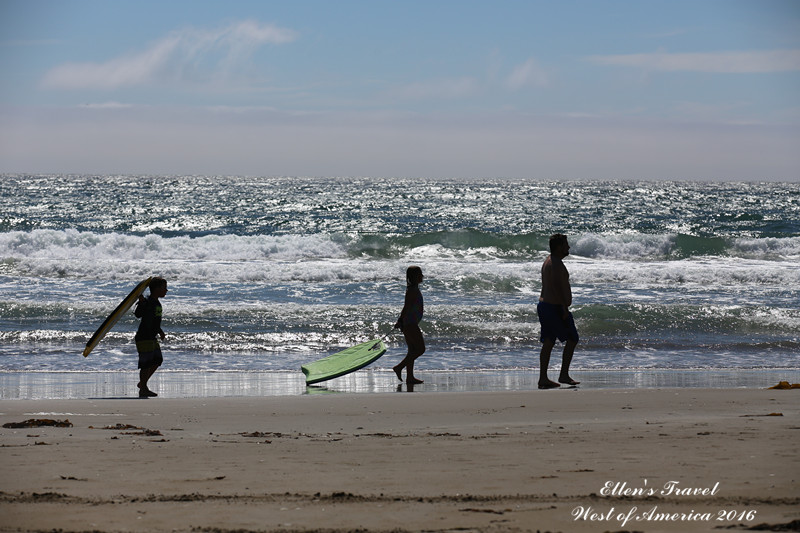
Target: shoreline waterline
(209,384)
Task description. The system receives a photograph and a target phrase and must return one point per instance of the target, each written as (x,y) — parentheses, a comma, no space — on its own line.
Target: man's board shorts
(149,353)
(553,326)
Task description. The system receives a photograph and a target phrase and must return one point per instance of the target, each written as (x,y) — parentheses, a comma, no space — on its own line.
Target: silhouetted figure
(408,322)
(150,358)
(554,315)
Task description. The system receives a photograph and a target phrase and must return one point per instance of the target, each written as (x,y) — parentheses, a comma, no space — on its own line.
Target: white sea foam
(783,249)
(267,273)
(599,264)
(75,245)
(625,246)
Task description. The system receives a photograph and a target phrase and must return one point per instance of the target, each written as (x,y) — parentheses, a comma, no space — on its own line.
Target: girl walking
(408,322)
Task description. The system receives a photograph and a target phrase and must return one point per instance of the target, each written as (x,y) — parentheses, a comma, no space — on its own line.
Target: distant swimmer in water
(409,320)
(150,358)
(554,315)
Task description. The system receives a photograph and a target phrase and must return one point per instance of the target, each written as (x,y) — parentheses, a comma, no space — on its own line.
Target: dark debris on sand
(794,525)
(39,422)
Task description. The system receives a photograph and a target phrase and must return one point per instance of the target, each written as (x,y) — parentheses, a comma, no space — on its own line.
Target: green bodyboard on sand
(343,362)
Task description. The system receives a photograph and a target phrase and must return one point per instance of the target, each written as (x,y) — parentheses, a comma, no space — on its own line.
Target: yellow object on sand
(786,385)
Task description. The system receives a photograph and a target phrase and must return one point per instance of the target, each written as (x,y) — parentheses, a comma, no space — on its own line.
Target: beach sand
(456,461)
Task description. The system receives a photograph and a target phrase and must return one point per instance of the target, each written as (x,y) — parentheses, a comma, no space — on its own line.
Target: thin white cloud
(718,62)
(183,55)
(528,74)
(443,88)
(106,105)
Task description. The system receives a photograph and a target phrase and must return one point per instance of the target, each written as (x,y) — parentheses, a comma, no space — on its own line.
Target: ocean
(268,273)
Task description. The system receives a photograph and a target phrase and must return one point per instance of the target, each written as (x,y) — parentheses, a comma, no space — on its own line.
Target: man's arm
(562,292)
(566,290)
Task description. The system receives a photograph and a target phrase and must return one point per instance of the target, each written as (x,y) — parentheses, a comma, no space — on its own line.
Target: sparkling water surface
(266,274)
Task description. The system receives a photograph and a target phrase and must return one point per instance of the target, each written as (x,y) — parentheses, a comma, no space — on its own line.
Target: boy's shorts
(149,353)
(553,326)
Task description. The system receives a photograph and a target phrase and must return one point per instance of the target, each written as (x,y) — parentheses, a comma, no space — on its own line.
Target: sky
(572,89)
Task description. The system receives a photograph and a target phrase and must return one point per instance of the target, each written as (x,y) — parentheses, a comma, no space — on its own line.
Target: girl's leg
(398,369)
(416,347)
(144,376)
(410,379)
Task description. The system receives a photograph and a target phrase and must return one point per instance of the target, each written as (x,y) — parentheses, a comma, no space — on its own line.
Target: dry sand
(492,461)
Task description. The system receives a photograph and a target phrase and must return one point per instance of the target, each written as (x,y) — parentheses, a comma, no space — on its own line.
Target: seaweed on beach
(137,430)
(785,385)
(118,427)
(145,433)
(261,434)
(39,422)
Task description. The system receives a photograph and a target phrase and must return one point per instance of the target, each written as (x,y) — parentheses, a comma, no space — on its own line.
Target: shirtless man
(554,315)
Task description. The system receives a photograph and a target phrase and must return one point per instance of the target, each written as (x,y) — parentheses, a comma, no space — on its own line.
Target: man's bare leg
(566,360)
(544,363)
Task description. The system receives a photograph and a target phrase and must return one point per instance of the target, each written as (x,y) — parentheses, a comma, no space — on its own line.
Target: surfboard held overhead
(344,362)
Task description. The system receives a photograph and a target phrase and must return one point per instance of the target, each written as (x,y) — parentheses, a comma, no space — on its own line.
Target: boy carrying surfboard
(149,310)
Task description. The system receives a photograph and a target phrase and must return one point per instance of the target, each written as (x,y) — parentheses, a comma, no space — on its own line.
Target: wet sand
(204,384)
(677,459)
